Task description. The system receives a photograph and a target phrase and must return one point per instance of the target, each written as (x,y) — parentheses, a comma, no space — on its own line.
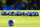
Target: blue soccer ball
(12,13)
(28,13)
(3,13)
(24,13)
(33,13)
(18,14)
(6,13)
(37,14)
(11,22)
(9,13)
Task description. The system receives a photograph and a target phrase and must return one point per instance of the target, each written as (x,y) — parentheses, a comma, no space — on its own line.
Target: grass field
(21,21)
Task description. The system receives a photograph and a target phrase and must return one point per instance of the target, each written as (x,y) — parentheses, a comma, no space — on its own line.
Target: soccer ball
(12,13)
(3,13)
(28,13)
(24,13)
(11,22)
(37,14)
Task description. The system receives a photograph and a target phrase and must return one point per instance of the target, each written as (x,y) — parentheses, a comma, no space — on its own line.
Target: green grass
(21,21)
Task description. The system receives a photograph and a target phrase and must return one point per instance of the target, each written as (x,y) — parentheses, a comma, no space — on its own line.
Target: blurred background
(19,4)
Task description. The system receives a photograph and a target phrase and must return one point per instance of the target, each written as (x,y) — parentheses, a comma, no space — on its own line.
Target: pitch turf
(21,21)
